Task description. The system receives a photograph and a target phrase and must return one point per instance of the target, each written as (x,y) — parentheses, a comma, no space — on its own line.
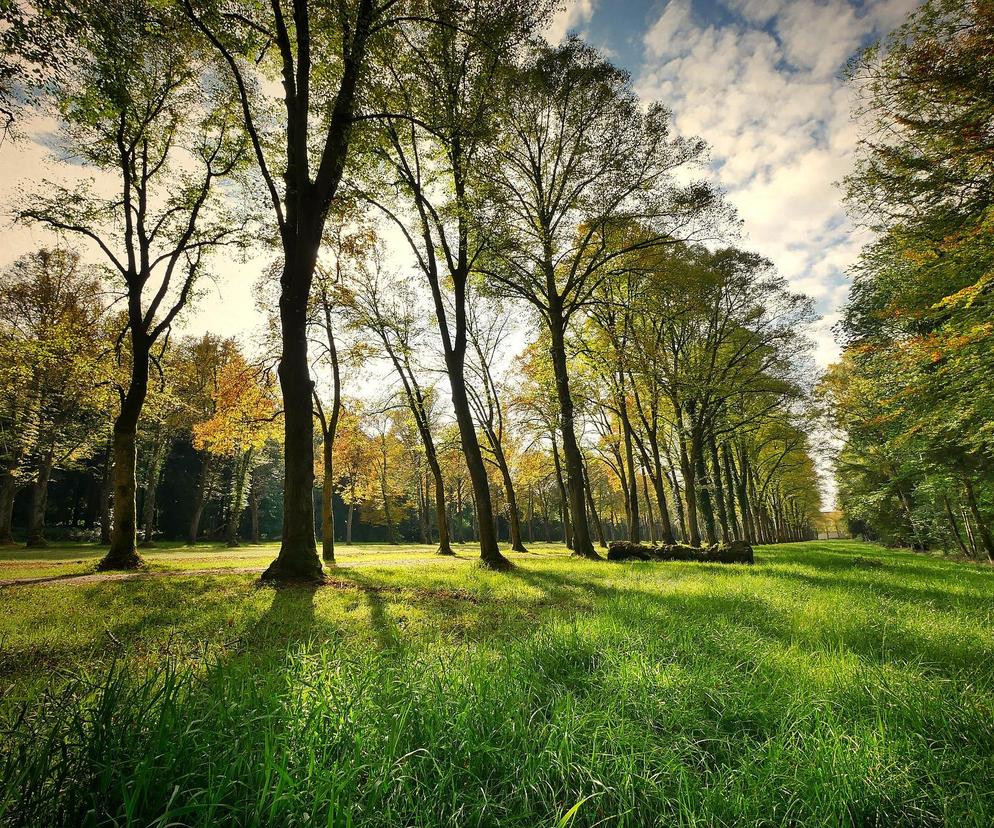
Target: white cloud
(571,17)
(765,91)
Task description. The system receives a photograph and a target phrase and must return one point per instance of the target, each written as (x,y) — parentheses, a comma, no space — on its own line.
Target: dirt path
(99,577)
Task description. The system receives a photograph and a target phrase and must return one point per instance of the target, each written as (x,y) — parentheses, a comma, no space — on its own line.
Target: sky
(759,80)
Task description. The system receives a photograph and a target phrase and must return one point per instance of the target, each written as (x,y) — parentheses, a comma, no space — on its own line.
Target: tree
(56,380)
(443,84)
(388,308)
(580,163)
(140,105)
(322,56)
(246,417)
(488,333)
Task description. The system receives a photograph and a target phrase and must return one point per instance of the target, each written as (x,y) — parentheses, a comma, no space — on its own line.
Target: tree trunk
(719,492)
(328,501)
(513,518)
(39,503)
(490,555)
(689,471)
(633,486)
(151,493)
(298,556)
(237,497)
(982,528)
(648,506)
(8,491)
(123,552)
(953,525)
(441,514)
(200,498)
(348,525)
(729,487)
(582,545)
(593,509)
(563,498)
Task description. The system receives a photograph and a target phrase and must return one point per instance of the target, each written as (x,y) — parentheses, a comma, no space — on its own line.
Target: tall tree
(322,57)
(140,106)
(580,162)
(443,83)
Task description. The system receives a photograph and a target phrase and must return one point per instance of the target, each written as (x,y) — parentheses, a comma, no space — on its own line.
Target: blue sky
(760,81)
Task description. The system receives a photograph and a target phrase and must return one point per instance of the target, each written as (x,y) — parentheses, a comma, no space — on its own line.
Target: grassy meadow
(832,683)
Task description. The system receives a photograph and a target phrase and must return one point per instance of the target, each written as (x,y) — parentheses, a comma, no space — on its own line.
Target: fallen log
(735,552)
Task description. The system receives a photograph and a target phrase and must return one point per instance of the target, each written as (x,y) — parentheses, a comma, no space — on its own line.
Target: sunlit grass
(813,688)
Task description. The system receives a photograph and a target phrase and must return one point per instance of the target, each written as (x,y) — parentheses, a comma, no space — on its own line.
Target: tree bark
(951,517)
(593,509)
(563,497)
(982,528)
(582,545)
(298,557)
(8,491)
(237,497)
(200,498)
(123,552)
(39,503)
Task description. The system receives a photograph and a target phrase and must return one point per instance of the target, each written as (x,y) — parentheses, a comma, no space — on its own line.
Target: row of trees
(515,174)
(912,393)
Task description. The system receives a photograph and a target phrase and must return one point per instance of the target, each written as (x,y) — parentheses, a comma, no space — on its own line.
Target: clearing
(831,683)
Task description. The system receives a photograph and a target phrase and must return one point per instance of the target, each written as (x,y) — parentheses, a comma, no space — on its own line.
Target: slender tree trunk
(719,492)
(648,505)
(151,493)
(328,501)
(348,525)
(490,554)
(953,525)
(629,459)
(593,509)
(8,491)
(255,495)
(689,471)
(441,513)
(39,503)
(729,480)
(238,497)
(563,498)
(200,498)
(582,545)
(513,518)
(982,528)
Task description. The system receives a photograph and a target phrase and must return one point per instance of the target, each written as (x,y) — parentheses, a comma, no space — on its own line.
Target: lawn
(831,683)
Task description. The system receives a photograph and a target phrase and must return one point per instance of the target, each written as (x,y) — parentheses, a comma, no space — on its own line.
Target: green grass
(810,689)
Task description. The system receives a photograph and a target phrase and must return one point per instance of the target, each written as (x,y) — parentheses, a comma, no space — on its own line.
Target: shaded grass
(804,690)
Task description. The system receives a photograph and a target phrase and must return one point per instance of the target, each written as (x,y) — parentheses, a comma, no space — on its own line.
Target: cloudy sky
(759,80)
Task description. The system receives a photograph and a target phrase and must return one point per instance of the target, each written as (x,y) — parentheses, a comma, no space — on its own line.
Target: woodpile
(735,552)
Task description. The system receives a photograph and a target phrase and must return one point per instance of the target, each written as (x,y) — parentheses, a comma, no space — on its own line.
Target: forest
(524,493)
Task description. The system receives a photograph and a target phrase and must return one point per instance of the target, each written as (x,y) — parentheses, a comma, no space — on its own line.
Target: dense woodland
(506,303)
(912,393)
